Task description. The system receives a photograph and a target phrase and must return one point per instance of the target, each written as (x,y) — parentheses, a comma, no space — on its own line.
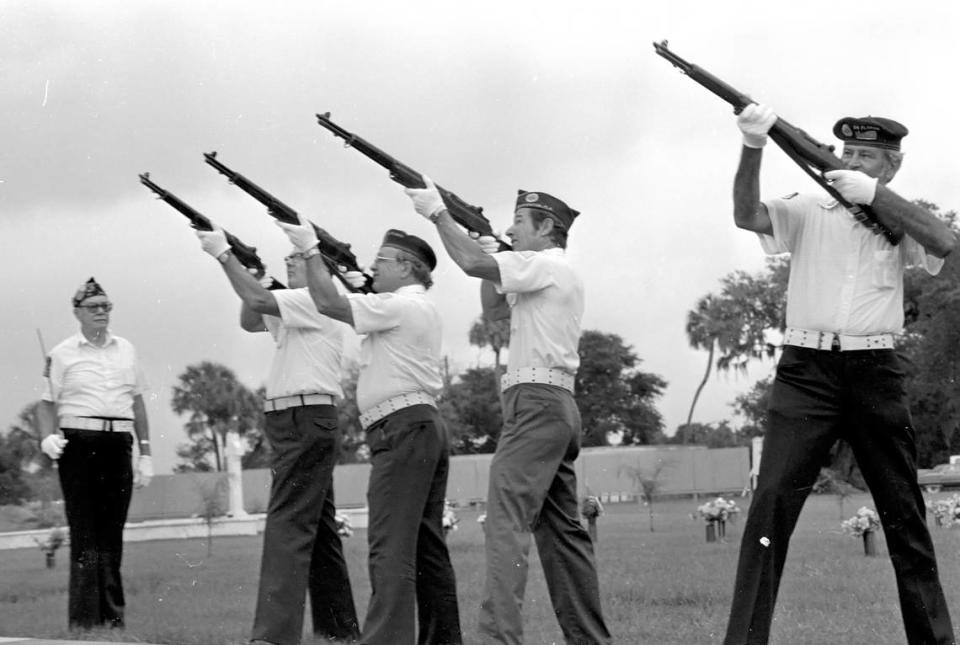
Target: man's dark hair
(558,235)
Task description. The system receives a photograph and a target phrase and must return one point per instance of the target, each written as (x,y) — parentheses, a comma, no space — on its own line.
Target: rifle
(468,216)
(333,252)
(247,255)
(813,157)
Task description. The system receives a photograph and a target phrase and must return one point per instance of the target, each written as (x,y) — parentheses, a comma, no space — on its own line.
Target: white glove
(488,243)
(355,279)
(265,281)
(426,201)
(855,186)
(143,471)
(754,122)
(53,445)
(302,235)
(214,242)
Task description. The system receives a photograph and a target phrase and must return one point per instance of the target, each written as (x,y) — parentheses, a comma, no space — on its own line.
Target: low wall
(609,473)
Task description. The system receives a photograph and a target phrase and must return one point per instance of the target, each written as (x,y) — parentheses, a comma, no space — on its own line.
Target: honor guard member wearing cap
(302,551)
(838,376)
(533,484)
(91,411)
(410,570)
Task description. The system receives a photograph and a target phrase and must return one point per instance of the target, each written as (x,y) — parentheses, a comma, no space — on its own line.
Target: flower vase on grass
(49,546)
(865,525)
(716,513)
(592,509)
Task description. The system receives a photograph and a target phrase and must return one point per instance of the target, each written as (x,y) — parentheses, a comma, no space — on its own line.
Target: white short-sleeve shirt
(309,354)
(843,278)
(546,301)
(401,351)
(85,380)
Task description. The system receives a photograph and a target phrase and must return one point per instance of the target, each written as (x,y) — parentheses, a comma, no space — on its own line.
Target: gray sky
(564,97)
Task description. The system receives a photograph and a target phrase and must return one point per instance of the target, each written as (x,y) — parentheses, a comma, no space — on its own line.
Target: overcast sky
(564,97)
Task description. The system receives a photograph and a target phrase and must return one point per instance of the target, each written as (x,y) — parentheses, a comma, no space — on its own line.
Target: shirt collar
(411,288)
(82,340)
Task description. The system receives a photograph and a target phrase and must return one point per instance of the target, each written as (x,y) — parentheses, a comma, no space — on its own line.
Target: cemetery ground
(666,587)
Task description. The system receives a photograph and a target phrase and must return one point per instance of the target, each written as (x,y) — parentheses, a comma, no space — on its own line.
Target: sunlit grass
(668,587)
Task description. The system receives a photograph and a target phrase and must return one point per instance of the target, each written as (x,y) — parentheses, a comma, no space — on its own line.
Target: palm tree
(217,403)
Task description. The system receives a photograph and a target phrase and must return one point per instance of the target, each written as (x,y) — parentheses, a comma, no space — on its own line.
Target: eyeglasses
(97,306)
(383,258)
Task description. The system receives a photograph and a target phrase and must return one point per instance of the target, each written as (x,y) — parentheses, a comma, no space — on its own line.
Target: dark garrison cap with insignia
(88,289)
(563,214)
(873,131)
(412,244)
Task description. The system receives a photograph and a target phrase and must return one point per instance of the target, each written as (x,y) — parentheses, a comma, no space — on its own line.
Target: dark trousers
(301,549)
(410,570)
(533,489)
(818,397)
(96,475)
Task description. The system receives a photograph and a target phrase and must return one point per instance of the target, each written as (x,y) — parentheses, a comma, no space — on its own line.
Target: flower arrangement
(591,508)
(865,521)
(718,510)
(344,528)
(54,540)
(946,512)
(450,519)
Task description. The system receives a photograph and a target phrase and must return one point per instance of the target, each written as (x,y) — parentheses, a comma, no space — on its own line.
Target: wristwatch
(223,257)
(312,251)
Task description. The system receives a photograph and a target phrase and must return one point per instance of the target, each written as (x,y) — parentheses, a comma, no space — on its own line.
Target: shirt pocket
(885,269)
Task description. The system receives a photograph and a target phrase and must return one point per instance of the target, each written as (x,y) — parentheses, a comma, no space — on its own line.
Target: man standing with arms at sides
(533,485)
(302,551)
(89,414)
(839,376)
(410,570)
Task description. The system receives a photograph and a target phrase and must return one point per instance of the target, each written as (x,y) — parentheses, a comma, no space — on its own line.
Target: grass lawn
(668,587)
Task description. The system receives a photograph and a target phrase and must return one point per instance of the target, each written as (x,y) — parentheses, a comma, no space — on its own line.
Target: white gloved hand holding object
(53,445)
(755,122)
(856,187)
(302,236)
(214,242)
(355,279)
(488,243)
(143,471)
(426,201)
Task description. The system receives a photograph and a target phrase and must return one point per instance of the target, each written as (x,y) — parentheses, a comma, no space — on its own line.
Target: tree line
(738,325)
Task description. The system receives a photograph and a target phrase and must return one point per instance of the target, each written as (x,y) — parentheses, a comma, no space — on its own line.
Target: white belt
(829,341)
(380,410)
(545,375)
(103,425)
(296,401)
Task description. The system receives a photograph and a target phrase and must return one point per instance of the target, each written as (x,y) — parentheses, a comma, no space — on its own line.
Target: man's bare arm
(324,294)
(917,222)
(494,304)
(464,251)
(749,212)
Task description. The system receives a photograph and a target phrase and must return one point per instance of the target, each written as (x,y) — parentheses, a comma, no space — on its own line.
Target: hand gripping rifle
(333,252)
(468,216)
(246,255)
(813,157)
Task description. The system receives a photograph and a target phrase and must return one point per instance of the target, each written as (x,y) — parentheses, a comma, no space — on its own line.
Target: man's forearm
(901,215)
(464,251)
(46,418)
(746,190)
(324,294)
(250,291)
(141,427)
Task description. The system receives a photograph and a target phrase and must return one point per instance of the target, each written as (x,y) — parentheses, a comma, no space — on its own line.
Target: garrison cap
(875,131)
(562,214)
(88,289)
(412,244)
